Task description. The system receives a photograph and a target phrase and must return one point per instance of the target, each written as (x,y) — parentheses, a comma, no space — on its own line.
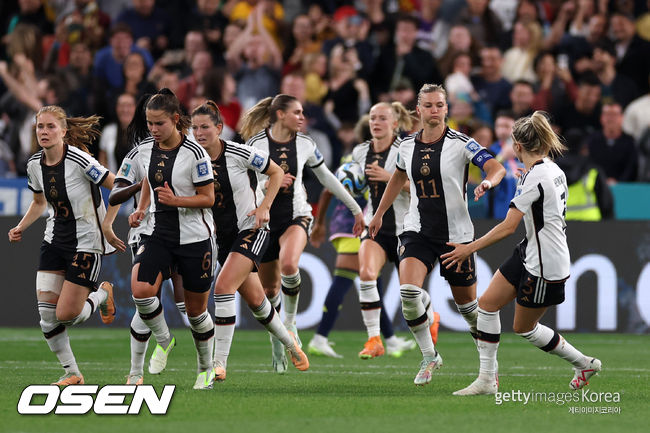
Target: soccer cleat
(396,347)
(205,379)
(158,360)
(134,379)
(426,370)
(582,375)
(107,308)
(372,349)
(433,328)
(294,331)
(322,349)
(278,356)
(480,387)
(70,379)
(298,357)
(219,373)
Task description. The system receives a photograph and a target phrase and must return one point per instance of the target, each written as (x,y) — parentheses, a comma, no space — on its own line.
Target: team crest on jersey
(285,167)
(425,170)
(53,192)
(158,176)
(202,169)
(257,161)
(217,186)
(126,168)
(93,173)
(472,146)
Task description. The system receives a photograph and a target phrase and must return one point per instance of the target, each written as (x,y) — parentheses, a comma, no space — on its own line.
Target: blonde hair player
(435,160)
(65,179)
(536,272)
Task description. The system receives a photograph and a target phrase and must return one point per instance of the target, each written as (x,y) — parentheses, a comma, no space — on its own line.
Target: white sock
(181,308)
(140,334)
(224,327)
(489,334)
(92,302)
(550,341)
(426,301)
(56,337)
(370,307)
(276,302)
(265,314)
(151,313)
(203,333)
(416,318)
(469,313)
(291,295)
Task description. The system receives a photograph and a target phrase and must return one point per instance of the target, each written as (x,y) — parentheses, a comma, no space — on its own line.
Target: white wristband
(489,184)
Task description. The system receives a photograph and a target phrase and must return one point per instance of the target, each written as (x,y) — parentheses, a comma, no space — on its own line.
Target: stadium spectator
(351,31)
(612,149)
(460,41)
(221,87)
(590,198)
(433,30)
(500,196)
(255,60)
(108,61)
(194,85)
(554,86)
(86,22)
(632,57)
(114,142)
(484,25)
(518,61)
(492,88)
(584,112)
(271,17)
(31,12)
(614,86)
(521,98)
(208,17)
(300,43)
(149,24)
(403,59)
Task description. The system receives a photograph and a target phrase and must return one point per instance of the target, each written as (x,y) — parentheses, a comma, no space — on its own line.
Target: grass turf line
(335,395)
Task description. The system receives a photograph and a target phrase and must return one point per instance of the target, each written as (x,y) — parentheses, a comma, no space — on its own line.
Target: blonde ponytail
(256,118)
(536,135)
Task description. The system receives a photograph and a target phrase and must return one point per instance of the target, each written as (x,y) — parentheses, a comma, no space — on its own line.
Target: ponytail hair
(362,129)
(535,134)
(80,131)
(166,101)
(263,114)
(209,108)
(137,129)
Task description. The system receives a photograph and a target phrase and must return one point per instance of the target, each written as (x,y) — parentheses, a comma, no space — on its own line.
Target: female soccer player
(273,125)
(435,161)
(178,194)
(241,233)
(128,184)
(378,156)
(536,272)
(66,180)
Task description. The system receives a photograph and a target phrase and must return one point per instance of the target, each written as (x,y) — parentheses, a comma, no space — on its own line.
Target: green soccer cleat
(205,379)
(158,360)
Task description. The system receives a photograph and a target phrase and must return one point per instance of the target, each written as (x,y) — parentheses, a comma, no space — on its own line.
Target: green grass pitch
(335,395)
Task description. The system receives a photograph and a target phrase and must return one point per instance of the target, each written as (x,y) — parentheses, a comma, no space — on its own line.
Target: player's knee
(288,268)
(66,317)
(366,273)
(522,328)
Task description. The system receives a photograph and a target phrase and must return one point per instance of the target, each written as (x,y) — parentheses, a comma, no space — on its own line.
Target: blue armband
(481,157)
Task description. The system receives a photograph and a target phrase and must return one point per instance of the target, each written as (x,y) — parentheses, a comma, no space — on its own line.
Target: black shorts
(388,244)
(80,267)
(273,249)
(192,261)
(249,243)
(412,244)
(532,291)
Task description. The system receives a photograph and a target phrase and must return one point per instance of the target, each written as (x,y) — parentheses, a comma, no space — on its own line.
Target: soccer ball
(352,177)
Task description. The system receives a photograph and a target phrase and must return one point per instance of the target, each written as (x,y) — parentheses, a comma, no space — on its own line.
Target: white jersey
(541,195)
(184,168)
(74,202)
(292,157)
(364,154)
(235,184)
(438,174)
(131,173)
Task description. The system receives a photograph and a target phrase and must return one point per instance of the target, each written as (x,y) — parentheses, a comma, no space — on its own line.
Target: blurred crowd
(585,62)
